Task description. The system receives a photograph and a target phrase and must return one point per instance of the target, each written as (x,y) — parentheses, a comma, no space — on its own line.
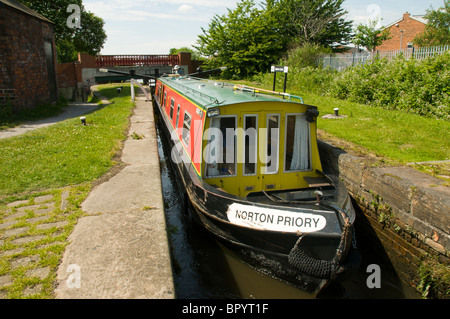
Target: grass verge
(46,175)
(67,153)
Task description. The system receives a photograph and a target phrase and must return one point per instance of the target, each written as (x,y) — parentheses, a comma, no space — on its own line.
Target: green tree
(369,36)
(69,41)
(315,21)
(437,30)
(247,40)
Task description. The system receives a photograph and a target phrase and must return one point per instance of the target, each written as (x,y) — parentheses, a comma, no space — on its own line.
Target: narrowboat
(250,168)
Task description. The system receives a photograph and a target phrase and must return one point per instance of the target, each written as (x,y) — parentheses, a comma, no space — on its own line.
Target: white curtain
(300,156)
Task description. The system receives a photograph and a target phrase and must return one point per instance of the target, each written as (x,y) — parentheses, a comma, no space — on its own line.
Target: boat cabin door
(260,151)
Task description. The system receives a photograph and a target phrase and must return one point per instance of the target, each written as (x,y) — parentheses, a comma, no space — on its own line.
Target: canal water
(203,269)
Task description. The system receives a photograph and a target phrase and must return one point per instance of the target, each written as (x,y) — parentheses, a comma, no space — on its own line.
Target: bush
(305,72)
(307,79)
(415,86)
(307,55)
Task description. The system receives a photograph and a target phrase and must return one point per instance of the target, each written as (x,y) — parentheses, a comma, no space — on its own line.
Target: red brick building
(27,57)
(403,32)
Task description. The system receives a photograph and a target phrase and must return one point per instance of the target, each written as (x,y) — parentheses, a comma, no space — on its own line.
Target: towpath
(74,109)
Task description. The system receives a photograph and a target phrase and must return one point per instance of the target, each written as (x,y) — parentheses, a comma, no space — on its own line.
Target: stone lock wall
(404,210)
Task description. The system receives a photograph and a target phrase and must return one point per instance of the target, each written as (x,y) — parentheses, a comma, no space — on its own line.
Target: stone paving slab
(27,227)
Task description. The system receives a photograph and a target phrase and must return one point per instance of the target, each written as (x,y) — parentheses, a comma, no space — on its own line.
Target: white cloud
(185,8)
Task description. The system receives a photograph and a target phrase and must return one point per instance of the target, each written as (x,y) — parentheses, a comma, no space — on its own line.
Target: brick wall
(410,27)
(24,77)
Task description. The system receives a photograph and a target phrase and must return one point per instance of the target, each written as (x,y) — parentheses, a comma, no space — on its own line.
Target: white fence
(342,61)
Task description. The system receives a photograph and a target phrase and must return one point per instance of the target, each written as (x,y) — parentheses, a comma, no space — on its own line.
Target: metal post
(132,92)
(274,80)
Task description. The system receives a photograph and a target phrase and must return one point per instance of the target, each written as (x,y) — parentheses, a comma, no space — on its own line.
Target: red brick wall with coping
(24,78)
(402,33)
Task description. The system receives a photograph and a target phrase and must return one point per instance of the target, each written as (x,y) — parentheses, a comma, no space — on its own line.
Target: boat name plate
(262,218)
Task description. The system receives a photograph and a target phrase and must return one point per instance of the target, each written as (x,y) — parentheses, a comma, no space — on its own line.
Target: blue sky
(155,26)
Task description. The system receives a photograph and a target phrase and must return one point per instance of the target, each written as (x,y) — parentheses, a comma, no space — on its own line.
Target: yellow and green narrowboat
(250,168)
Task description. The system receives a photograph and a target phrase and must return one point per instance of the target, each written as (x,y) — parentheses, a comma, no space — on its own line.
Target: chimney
(406,15)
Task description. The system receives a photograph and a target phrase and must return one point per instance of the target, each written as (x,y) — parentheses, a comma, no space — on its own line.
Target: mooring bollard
(336,111)
(83,120)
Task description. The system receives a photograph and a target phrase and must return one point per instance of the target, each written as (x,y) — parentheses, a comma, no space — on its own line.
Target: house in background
(27,57)
(403,32)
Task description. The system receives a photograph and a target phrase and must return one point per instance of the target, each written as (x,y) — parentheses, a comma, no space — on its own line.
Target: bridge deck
(136,60)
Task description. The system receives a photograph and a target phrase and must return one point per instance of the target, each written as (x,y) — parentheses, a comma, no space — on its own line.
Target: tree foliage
(369,36)
(437,30)
(69,41)
(246,40)
(249,39)
(315,21)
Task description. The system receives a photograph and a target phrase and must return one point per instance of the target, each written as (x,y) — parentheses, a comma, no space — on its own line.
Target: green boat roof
(208,94)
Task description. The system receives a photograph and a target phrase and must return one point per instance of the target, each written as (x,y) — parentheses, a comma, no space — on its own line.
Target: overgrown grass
(66,153)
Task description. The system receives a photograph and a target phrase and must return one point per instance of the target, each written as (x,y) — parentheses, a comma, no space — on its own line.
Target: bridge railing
(136,60)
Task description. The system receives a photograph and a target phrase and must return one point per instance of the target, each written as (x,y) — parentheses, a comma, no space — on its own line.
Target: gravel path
(74,109)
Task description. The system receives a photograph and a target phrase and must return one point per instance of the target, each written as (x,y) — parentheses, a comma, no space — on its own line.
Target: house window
(298,146)
(186,128)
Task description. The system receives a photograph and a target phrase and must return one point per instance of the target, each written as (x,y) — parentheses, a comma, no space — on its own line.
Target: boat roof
(209,94)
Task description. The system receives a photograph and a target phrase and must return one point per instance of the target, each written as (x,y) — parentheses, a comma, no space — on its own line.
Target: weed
(434,279)
(136,136)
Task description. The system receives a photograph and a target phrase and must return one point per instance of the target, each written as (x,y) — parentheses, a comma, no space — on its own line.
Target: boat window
(172,105)
(160,94)
(273,127)
(186,128)
(178,115)
(220,153)
(297,149)
(165,98)
(250,144)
